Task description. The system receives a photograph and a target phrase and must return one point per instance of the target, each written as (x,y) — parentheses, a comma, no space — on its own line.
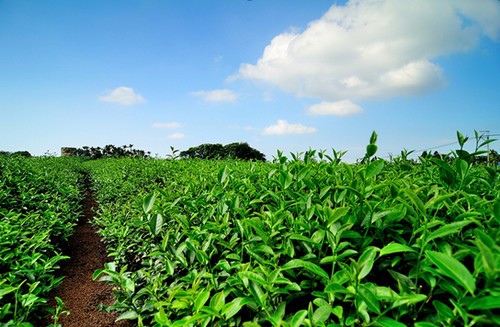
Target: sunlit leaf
(148,202)
(408,299)
(489,302)
(395,248)
(448,229)
(128,315)
(369,298)
(321,314)
(388,322)
(454,269)
(298,318)
(201,299)
(366,261)
(233,307)
(155,223)
(309,266)
(374,168)
(333,215)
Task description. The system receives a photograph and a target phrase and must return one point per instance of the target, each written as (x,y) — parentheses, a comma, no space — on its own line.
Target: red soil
(82,296)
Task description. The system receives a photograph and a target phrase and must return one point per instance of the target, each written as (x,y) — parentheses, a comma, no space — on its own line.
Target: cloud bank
(176,136)
(282,127)
(123,95)
(374,49)
(338,108)
(216,96)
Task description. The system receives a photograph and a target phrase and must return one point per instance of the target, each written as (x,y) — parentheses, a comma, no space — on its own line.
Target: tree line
(236,150)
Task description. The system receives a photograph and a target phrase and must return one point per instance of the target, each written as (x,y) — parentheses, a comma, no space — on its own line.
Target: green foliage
(301,242)
(310,241)
(371,148)
(111,151)
(39,206)
(235,150)
(17,153)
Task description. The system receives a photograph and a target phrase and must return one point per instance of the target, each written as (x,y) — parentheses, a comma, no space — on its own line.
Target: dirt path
(82,296)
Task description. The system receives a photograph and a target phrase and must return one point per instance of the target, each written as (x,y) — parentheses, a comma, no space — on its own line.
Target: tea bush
(310,241)
(39,207)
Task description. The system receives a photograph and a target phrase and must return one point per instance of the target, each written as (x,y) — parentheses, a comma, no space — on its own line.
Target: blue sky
(278,74)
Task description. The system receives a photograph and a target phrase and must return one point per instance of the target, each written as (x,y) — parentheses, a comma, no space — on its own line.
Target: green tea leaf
(489,302)
(233,307)
(371,149)
(169,267)
(339,312)
(369,298)
(258,293)
(337,288)
(447,173)
(278,315)
(408,299)
(222,175)
(444,312)
(321,314)
(395,248)
(333,215)
(448,229)
(487,258)
(148,202)
(201,299)
(417,202)
(374,168)
(218,301)
(253,277)
(388,322)
(300,237)
(404,282)
(365,261)
(251,323)
(496,209)
(424,324)
(437,200)
(454,269)
(155,224)
(128,315)
(128,284)
(309,266)
(461,139)
(373,138)
(4,290)
(298,318)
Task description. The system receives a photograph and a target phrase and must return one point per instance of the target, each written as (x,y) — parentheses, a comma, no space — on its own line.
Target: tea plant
(39,206)
(310,241)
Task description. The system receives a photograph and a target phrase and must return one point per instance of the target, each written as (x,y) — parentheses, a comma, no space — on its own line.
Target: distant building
(68,152)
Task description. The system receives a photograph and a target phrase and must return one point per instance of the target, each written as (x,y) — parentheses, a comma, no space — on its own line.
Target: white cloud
(122,95)
(282,127)
(167,125)
(374,48)
(338,108)
(176,136)
(221,95)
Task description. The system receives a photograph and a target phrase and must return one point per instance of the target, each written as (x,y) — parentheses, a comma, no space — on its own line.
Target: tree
(237,150)
(111,151)
(243,151)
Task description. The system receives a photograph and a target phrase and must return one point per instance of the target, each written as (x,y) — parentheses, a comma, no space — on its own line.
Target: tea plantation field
(307,241)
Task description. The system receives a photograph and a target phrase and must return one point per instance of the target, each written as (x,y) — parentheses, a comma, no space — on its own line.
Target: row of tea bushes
(39,207)
(302,242)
